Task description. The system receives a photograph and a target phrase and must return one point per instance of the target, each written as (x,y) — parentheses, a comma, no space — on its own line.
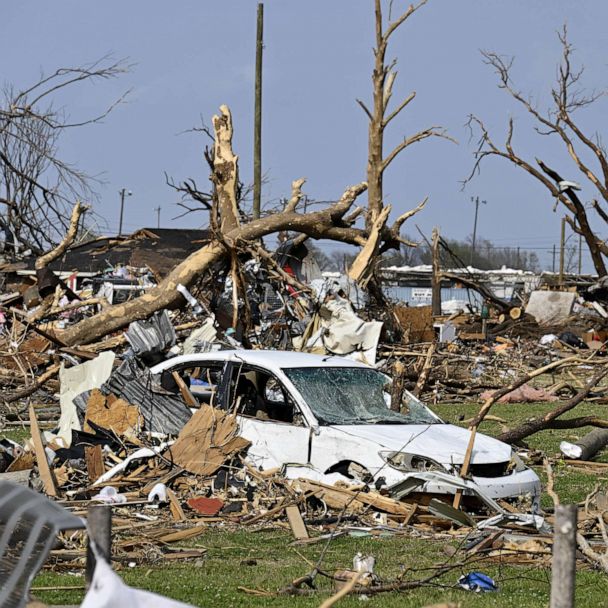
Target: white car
(314,416)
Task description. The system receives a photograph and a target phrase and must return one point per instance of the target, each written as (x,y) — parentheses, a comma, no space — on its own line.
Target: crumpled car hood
(444,443)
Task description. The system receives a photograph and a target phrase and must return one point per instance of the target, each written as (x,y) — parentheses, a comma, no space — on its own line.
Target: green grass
(18,434)
(266,560)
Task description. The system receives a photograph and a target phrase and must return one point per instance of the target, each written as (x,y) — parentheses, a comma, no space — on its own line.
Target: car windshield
(354,395)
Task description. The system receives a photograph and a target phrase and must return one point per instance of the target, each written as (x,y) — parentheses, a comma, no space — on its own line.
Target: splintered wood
(113,414)
(207,441)
(353,500)
(46,474)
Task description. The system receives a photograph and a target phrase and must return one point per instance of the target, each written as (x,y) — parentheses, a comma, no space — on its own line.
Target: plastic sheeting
(338,330)
(107,590)
(73,382)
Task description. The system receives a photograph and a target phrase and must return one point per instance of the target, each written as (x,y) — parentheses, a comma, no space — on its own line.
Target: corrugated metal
(163,411)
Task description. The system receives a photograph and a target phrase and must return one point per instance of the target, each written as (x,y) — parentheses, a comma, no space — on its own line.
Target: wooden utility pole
(475,199)
(435,279)
(563,565)
(562,248)
(257,130)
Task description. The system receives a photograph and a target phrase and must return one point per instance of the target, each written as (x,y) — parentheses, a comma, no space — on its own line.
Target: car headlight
(408,463)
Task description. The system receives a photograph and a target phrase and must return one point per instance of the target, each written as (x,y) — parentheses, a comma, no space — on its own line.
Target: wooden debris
(184,390)
(93,456)
(207,441)
(46,475)
(113,414)
(24,462)
(353,500)
(176,508)
(298,527)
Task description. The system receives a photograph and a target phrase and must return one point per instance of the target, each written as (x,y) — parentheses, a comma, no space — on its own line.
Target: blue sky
(191,56)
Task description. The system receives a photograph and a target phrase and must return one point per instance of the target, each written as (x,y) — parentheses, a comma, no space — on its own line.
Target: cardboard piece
(207,441)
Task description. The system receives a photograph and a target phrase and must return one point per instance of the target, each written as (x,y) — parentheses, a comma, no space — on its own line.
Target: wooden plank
(176,508)
(184,390)
(46,475)
(339,498)
(93,456)
(298,527)
(183,534)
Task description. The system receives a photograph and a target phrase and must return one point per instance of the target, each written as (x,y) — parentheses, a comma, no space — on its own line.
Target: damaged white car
(328,417)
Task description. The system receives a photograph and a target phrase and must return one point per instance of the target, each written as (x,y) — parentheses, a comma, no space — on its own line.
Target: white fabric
(344,333)
(76,380)
(107,590)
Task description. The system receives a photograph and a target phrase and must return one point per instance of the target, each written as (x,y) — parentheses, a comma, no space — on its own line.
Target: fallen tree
(549,419)
(228,233)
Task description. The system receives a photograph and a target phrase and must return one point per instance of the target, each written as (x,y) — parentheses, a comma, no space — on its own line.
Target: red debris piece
(205,506)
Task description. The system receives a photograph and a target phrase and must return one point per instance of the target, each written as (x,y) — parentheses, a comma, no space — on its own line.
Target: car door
(274,442)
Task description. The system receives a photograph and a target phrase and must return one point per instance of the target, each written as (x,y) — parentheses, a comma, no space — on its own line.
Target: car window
(261,395)
(201,378)
(354,395)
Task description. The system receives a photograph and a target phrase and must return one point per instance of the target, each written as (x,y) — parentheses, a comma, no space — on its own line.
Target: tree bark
(586,447)
(316,225)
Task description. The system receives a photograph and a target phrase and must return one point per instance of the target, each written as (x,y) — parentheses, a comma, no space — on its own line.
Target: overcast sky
(193,55)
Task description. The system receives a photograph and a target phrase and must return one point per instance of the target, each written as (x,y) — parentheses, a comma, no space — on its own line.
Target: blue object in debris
(198,382)
(477,581)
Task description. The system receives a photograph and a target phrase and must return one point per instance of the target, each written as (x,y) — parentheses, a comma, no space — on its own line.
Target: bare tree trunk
(436,277)
(317,225)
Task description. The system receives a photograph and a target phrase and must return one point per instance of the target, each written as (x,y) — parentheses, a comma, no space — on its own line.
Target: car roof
(270,359)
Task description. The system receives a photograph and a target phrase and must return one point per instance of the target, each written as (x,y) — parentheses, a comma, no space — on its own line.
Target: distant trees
(38,187)
(562,122)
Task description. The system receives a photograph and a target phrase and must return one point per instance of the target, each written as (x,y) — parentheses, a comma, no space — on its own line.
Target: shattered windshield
(354,395)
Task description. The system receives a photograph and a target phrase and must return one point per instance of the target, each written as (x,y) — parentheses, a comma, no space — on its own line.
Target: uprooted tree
(37,186)
(561,120)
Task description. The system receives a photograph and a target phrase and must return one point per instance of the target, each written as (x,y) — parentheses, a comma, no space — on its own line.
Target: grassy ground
(266,560)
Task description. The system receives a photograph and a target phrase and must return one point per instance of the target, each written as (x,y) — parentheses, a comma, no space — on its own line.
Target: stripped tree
(229,231)
(568,98)
(381,236)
